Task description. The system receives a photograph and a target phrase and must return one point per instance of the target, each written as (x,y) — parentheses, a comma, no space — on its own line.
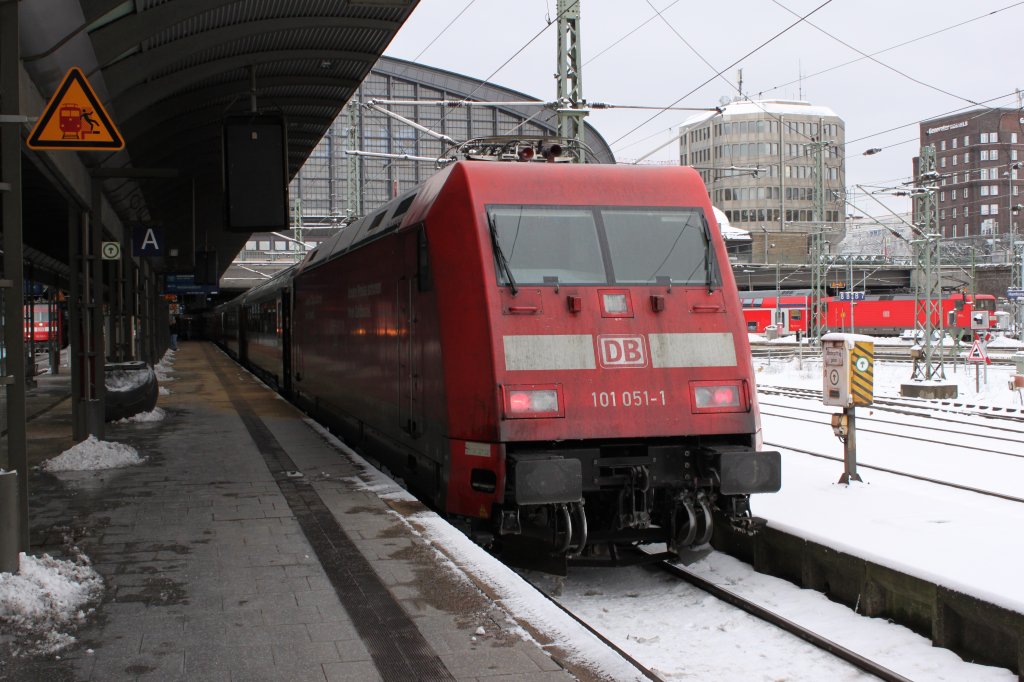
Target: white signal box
(847,368)
(979,320)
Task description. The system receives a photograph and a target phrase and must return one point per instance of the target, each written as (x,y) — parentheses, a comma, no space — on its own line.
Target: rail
(758,611)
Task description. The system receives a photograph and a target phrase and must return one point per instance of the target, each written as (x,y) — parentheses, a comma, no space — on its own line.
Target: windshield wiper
(705,234)
(499,255)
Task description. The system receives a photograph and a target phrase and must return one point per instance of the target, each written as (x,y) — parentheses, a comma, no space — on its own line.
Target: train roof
(655,185)
(772,293)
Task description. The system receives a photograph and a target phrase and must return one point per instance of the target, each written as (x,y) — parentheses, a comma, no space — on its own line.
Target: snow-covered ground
(913,526)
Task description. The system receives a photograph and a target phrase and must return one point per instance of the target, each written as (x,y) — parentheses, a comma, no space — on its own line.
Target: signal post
(848,369)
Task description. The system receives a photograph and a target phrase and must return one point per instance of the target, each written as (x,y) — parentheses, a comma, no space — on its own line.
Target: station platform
(248,546)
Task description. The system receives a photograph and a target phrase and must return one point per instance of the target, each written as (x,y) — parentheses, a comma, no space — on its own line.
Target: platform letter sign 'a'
(147,240)
(75,119)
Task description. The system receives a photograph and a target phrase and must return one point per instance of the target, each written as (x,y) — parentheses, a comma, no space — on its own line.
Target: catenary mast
(571,105)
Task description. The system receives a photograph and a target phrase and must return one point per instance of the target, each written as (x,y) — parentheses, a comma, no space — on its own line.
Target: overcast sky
(971,57)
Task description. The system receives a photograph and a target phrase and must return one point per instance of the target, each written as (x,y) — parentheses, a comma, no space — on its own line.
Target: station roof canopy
(168,72)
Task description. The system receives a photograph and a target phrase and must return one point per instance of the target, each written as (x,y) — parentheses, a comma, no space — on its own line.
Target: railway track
(979,432)
(656,563)
(1013,414)
(641,668)
(990,439)
(780,351)
(904,474)
(762,613)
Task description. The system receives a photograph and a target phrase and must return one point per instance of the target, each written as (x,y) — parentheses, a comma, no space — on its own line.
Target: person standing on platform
(174,332)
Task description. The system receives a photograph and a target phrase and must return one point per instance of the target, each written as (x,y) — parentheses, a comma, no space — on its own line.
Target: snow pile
(165,367)
(47,596)
(123,380)
(155,415)
(1005,342)
(93,454)
(163,390)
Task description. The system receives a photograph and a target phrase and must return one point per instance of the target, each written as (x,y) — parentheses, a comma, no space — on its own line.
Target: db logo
(622,351)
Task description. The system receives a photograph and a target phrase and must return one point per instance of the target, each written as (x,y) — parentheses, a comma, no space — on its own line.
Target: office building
(759,160)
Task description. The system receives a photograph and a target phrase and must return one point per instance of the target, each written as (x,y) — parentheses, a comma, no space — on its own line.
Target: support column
(10,195)
(79,362)
(96,351)
(850,447)
(120,350)
(131,294)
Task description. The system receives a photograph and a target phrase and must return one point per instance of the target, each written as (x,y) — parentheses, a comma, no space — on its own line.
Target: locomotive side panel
(460,256)
(344,321)
(366,355)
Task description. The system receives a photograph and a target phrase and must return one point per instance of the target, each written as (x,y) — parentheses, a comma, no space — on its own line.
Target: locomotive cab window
(538,245)
(646,244)
(542,241)
(985,304)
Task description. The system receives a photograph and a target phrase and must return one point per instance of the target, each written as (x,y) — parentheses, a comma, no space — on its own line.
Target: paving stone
(351,671)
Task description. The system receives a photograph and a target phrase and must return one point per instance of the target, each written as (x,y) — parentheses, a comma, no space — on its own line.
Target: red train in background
(48,322)
(876,315)
(551,354)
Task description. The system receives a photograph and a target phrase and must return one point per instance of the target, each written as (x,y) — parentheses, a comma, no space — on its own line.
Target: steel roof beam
(145,94)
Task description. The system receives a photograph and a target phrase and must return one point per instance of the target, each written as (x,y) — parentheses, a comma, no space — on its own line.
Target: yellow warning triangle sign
(75,119)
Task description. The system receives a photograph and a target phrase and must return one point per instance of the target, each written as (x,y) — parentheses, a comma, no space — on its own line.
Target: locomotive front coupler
(736,509)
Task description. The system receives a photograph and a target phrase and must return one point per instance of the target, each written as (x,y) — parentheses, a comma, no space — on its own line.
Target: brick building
(978,158)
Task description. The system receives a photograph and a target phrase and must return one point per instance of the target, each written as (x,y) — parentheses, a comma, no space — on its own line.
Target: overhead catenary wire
(984,102)
(893,47)
(634,30)
(443,30)
(721,71)
(661,109)
(876,61)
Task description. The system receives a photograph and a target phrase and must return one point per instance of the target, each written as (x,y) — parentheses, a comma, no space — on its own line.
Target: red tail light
(718,397)
(533,401)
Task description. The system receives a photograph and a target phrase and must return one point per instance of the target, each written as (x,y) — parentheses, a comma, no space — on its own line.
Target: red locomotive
(552,354)
(48,322)
(878,315)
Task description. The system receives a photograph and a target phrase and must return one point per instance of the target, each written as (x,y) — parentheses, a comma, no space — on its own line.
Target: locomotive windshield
(985,304)
(611,245)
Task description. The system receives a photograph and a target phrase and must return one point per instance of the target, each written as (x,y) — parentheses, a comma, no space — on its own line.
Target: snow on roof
(728,231)
(763,106)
